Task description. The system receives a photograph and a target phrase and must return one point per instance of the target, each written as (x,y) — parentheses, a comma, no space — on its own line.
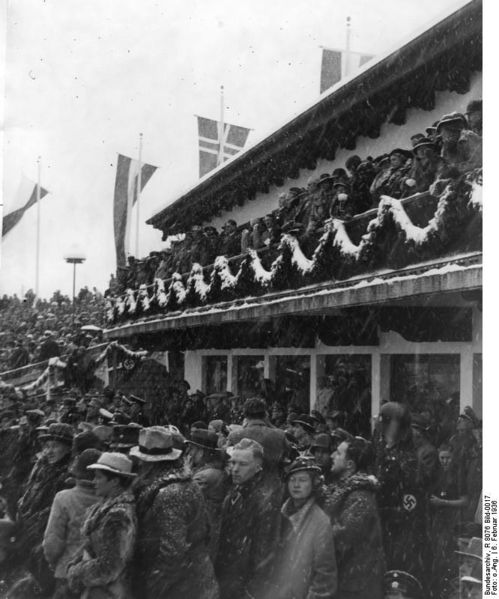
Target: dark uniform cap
(402,582)
(306,421)
(124,436)
(302,464)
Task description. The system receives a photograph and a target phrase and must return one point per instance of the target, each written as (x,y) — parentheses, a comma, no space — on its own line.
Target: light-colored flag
(125,196)
(233,141)
(25,198)
(337,64)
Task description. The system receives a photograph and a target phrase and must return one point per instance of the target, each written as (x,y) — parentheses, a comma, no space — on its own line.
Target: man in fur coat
(351,506)
(171,557)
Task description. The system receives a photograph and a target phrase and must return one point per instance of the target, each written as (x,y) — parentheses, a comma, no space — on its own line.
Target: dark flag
(125,196)
(213,150)
(26,198)
(334,65)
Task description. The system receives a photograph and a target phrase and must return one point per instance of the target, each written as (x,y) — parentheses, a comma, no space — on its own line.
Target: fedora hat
(155,445)
(58,431)
(204,438)
(473,549)
(423,142)
(453,118)
(116,463)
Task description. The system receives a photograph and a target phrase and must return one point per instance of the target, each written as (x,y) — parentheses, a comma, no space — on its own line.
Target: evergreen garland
(391,240)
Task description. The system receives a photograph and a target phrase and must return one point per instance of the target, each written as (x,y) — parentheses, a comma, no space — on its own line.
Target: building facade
(389,306)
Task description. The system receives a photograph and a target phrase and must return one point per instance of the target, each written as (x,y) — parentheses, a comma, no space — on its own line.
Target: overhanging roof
(441,58)
(460,273)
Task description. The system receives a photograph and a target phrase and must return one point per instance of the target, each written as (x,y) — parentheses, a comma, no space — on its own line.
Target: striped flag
(233,140)
(25,198)
(125,196)
(337,64)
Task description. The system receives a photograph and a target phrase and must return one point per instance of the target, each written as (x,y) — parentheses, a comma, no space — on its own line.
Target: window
(214,374)
(249,376)
(290,376)
(424,380)
(344,385)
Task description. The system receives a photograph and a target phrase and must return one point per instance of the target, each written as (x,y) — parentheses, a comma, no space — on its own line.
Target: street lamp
(74,258)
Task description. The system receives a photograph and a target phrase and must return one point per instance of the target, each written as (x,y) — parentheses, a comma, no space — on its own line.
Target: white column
(375,384)
(193,370)
(313,380)
(466,379)
(230,374)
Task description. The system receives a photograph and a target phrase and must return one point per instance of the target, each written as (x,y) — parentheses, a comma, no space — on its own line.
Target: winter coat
(101,570)
(62,539)
(305,566)
(172,560)
(34,506)
(248,538)
(214,484)
(351,505)
(403,504)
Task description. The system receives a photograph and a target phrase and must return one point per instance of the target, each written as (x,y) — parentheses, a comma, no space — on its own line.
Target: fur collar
(342,489)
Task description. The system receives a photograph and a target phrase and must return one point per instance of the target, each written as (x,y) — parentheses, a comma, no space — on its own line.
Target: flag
(125,196)
(25,198)
(233,140)
(336,64)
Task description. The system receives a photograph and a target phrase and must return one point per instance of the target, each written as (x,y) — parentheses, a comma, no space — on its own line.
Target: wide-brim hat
(424,142)
(115,463)
(204,438)
(155,445)
(474,548)
(403,152)
(58,431)
(453,118)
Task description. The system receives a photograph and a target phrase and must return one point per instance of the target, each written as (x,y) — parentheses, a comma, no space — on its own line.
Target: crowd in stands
(449,148)
(34,330)
(103,498)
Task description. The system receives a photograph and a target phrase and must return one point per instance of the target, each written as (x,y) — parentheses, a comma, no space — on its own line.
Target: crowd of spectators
(34,330)
(447,149)
(256,504)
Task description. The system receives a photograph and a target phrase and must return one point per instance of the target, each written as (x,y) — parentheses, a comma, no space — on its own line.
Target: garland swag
(391,240)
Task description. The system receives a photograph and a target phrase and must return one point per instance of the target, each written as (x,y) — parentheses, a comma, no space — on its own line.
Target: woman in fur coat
(101,570)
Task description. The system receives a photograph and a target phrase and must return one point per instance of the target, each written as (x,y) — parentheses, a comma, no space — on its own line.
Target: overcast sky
(83,78)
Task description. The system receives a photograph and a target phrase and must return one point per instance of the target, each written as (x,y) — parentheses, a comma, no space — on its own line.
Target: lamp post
(74,258)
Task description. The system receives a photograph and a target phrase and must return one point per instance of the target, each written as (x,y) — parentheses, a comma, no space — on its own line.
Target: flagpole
(347,49)
(139,188)
(37,268)
(221,136)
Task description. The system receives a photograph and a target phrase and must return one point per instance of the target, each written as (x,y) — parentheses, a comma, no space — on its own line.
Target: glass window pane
(249,376)
(215,374)
(425,380)
(291,378)
(344,385)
